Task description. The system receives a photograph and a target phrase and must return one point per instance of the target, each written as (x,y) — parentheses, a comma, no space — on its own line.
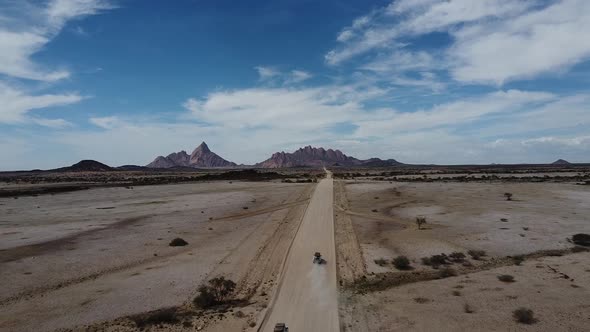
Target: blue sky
(421,81)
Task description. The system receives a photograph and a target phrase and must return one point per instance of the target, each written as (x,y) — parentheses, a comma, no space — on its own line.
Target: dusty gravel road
(307,295)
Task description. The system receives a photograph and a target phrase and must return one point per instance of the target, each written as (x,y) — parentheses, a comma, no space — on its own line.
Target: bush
(506,278)
(518,259)
(508,196)
(581,239)
(162,316)
(435,260)
(476,254)
(580,249)
(217,291)
(524,316)
(446,272)
(420,220)
(401,263)
(457,257)
(467,308)
(381,261)
(178,242)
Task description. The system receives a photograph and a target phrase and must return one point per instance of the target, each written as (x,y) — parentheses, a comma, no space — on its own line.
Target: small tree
(420,220)
(508,196)
(217,291)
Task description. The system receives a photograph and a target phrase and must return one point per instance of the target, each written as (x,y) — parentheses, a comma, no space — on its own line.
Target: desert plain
(100,259)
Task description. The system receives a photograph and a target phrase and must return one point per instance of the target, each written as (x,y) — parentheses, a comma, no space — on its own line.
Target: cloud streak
(491,41)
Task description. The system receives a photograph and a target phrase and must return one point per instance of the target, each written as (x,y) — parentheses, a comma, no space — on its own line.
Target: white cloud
(247,125)
(453,114)
(31,28)
(298,76)
(267,73)
(544,41)
(563,141)
(107,122)
(492,41)
(400,61)
(52,123)
(279,108)
(16,104)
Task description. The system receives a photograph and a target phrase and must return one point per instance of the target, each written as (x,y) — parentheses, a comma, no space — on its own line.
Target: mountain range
(203,157)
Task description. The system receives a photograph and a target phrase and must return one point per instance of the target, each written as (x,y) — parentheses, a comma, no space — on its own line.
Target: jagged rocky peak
(201,157)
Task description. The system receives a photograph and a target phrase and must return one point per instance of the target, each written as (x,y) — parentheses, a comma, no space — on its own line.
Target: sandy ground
(558,304)
(88,256)
(462,216)
(306,299)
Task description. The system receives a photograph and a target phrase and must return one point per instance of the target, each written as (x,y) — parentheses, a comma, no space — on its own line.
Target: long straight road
(307,294)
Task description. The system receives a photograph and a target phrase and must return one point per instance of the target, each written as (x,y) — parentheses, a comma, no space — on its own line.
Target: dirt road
(306,299)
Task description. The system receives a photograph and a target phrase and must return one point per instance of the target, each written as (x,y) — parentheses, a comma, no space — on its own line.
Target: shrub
(524,316)
(178,242)
(162,316)
(518,259)
(446,272)
(435,260)
(420,220)
(467,308)
(457,257)
(476,254)
(581,239)
(506,278)
(508,196)
(456,293)
(381,261)
(401,263)
(217,291)
(580,249)
(421,300)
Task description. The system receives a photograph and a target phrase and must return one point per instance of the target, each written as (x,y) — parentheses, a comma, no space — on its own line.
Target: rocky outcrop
(317,157)
(201,157)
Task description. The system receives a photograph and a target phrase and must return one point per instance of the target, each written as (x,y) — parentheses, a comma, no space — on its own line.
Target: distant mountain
(201,157)
(86,166)
(561,162)
(376,162)
(317,157)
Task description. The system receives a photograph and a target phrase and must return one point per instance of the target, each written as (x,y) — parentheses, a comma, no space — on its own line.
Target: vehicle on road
(317,258)
(281,327)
